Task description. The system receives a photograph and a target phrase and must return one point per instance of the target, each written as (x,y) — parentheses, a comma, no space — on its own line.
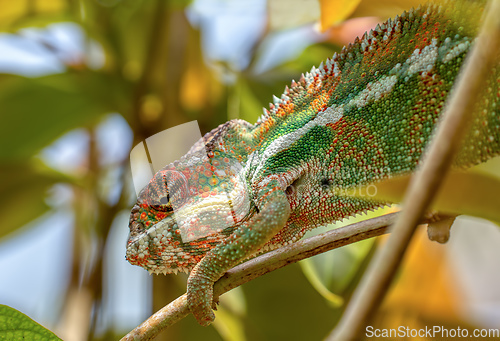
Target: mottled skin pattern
(360,117)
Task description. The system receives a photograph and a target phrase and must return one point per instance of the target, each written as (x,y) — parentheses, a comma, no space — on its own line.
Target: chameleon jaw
(156,251)
(177,242)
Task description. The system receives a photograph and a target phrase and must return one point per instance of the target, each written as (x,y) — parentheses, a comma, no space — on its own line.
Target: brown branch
(256,267)
(425,182)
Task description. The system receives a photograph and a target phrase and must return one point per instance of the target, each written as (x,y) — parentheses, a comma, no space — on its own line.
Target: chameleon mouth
(136,229)
(159,248)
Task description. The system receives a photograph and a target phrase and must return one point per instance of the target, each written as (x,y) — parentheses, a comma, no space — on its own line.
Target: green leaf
(14,325)
(35,111)
(22,13)
(312,275)
(243,102)
(23,194)
(285,14)
(230,315)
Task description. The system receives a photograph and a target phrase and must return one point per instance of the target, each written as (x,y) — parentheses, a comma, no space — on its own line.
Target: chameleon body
(362,116)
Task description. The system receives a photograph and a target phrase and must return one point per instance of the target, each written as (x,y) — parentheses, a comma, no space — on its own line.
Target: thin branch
(303,249)
(425,182)
(256,267)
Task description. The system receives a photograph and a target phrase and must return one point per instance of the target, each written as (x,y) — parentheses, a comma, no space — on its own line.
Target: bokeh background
(82,82)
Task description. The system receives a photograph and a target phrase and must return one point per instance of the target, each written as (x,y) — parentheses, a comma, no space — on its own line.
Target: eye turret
(167,189)
(165,200)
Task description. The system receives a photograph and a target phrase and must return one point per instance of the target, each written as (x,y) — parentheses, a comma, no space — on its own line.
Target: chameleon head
(182,213)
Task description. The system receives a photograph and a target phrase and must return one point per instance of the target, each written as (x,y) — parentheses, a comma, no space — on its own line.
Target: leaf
(470,193)
(14,325)
(230,315)
(35,111)
(331,273)
(22,13)
(334,12)
(284,14)
(198,86)
(243,102)
(309,57)
(312,275)
(426,289)
(23,194)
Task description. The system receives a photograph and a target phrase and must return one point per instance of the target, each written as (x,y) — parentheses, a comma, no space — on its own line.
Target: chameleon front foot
(203,315)
(200,299)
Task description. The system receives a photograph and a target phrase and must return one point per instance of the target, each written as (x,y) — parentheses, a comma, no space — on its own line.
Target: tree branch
(270,261)
(426,181)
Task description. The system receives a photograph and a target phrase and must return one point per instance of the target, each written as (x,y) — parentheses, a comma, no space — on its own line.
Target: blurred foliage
(470,193)
(30,125)
(156,75)
(334,12)
(27,185)
(24,13)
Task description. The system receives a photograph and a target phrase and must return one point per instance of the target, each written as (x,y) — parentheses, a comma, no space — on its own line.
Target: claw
(199,299)
(202,315)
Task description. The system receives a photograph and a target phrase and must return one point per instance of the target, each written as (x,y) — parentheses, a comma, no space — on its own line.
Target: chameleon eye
(165,200)
(166,190)
(325,183)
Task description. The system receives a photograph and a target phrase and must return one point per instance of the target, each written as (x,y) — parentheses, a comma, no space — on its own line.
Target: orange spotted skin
(363,116)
